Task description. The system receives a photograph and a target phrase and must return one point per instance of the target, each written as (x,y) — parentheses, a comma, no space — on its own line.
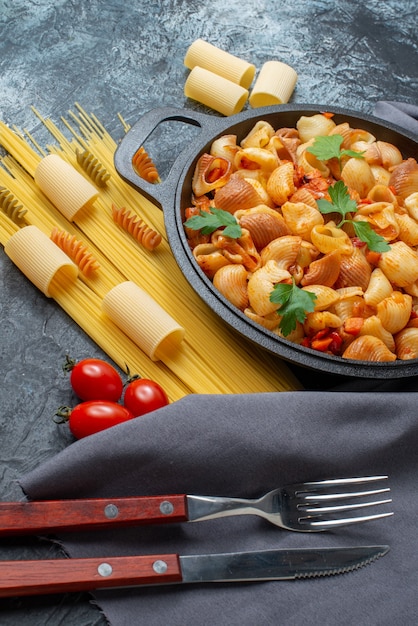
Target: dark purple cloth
(244,445)
(400,113)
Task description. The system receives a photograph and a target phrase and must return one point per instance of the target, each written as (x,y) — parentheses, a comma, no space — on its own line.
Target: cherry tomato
(93,416)
(94,379)
(143,395)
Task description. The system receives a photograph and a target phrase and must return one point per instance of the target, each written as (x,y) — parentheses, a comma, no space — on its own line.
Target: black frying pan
(173,196)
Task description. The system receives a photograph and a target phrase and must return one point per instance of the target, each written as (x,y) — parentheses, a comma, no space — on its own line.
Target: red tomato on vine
(143,396)
(94,379)
(88,418)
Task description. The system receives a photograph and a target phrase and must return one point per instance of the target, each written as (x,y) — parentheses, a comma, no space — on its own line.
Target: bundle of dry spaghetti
(194,351)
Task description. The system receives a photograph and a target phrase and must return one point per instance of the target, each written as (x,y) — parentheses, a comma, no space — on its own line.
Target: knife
(37,577)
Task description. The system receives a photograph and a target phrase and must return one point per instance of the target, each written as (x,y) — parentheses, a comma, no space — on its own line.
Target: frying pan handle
(137,135)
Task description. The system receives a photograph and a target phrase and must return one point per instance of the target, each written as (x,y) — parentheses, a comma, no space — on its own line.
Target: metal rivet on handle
(166,508)
(105,569)
(159,567)
(111,511)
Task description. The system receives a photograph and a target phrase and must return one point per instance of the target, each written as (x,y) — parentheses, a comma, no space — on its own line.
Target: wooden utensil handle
(49,516)
(40,577)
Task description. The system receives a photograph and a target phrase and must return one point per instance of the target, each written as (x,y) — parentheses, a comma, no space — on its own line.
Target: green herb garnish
(209,221)
(329,147)
(295,304)
(343,204)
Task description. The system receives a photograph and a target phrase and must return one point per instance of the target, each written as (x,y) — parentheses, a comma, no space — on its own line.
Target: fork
(306,507)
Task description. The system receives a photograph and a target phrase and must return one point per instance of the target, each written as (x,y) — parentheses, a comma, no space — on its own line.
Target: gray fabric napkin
(244,445)
(400,113)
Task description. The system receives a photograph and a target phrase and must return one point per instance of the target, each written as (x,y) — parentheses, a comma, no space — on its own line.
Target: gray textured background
(117,57)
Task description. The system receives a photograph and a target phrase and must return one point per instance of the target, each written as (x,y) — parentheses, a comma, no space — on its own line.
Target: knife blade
(37,577)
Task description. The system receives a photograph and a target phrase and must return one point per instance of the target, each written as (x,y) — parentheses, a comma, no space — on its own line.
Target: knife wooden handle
(47,516)
(40,577)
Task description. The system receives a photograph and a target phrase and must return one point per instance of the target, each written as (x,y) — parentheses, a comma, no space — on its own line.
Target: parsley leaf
(366,233)
(327,147)
(295,304)
(209,221)
(342,203)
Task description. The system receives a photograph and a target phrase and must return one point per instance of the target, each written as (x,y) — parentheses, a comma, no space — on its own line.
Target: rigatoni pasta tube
(64,186)
(204,54)
(214,91)
(274,85)
(39,259)
(142,319)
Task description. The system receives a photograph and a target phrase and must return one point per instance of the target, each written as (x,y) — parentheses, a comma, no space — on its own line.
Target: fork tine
(339,508)
(327,524)
(335,482)
(341,496)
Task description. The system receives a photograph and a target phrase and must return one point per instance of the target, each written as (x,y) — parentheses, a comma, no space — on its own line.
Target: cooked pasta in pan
(312,232)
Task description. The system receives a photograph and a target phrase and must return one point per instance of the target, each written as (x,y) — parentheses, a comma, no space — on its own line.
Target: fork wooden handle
(48,516)
(37,577)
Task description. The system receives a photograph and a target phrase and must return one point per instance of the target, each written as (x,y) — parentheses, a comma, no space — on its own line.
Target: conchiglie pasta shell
(264,225)
(411,205)
(344,130)
(209,258)
(354,270)
(325,296)
(407,344)
(378,289)
(329,238)
(400,264)
(231,281)
(318,320)
(368,348)
(225,147)
(301,218)
(281,183)
(260,286)
(304,195)
(381,217)
(408,229)
(373,326)
(267,321)
(308,161)
(381,176)
(383,153)
(240,251)
(307,254)
(404,178)
(357,175)
(313,126)
(324,271)
(255,158)
(361,135)
(237,194)
(260,188)
(202,183)
(394,311)
(347,306)
(295,336)
(382,193)
(283,251)
(259,135)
